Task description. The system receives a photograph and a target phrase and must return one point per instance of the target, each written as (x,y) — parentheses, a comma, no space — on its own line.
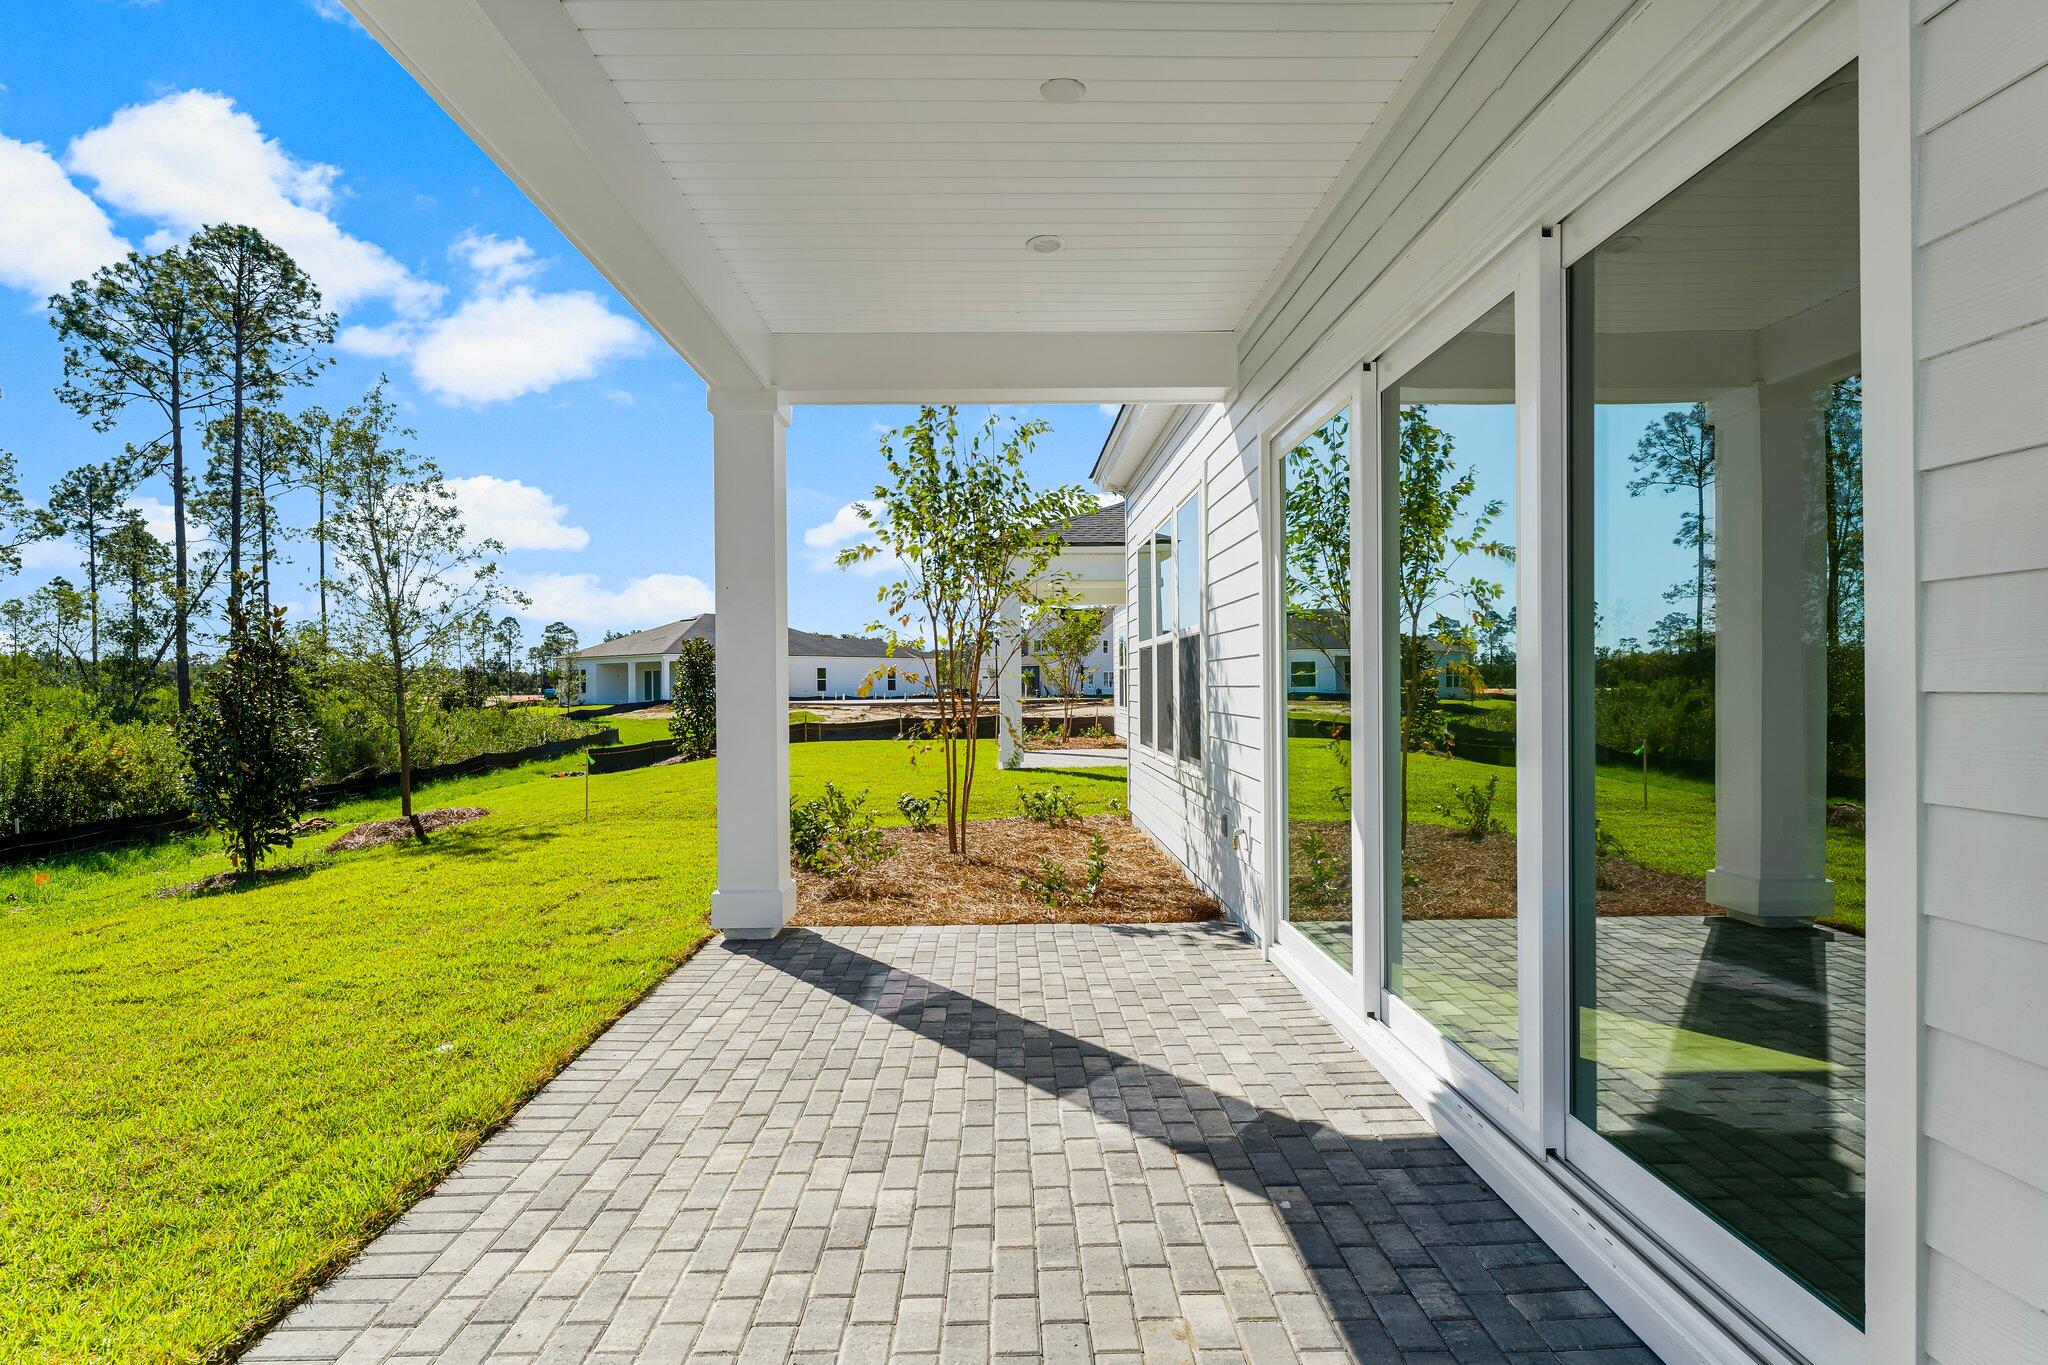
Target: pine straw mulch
(391,831)
(1077,741)
(1451,875)
(923,884)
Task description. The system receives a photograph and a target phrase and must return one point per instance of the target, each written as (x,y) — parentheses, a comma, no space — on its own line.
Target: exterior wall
(1208,816)
(609,682)
(1981,447)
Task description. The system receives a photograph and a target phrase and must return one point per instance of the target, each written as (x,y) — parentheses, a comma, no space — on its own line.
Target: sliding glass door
(1317,474)
(1718,738)
(1449,630)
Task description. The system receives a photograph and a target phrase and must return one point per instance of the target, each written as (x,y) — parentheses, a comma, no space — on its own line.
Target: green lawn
(206,1103)
(1675,834)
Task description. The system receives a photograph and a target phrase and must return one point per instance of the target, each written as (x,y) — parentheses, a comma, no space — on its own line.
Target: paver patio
(1070,1143)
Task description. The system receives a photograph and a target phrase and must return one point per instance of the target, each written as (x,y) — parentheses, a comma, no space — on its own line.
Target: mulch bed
(1077,742)
(924,884)
(391,831)
(1450,875)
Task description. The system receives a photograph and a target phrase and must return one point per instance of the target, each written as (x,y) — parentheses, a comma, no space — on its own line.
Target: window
(1316,751)
(892,680)
(1167,641)
(821,678)
(1717,671)
(1450,443)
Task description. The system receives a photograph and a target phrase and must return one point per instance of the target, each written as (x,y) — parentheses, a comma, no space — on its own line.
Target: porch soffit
(756,172)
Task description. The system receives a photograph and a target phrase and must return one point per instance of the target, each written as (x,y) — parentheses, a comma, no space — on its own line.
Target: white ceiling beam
(1006,367)
(520,80)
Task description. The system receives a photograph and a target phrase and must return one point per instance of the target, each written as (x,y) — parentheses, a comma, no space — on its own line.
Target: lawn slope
(206,1103)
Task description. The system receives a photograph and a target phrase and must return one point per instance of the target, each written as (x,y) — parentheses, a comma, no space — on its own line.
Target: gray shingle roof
(803,644)
(1105,527)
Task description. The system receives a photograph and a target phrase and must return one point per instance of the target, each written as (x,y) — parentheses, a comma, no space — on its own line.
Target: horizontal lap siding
(1193,814)
(1981,333)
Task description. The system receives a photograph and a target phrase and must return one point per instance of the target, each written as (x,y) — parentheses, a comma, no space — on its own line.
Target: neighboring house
(638,667)
(1759,1140)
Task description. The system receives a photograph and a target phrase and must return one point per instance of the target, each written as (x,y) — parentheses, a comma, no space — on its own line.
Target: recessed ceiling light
(1062,90)
(1044,244)
(1620,246)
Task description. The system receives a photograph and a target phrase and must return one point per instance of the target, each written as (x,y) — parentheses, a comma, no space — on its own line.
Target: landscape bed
(921,883)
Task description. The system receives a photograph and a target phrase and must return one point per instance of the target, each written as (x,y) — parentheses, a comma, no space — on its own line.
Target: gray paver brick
(1062,1144)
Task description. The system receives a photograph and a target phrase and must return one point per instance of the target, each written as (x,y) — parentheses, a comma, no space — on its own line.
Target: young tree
(1065,643)
(273,452)
(971,536)
(1840,420)
(86,504)
(1437,538)
(1676,455)
(270,329)
(557,643)
(410,579)
(139,565)
(20,524)
(1318,563)
(251,747)
(693,718)
(137,332)
(320,469)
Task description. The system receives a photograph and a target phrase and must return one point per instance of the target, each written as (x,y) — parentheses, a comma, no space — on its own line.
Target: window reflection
(1718,657)
(1317,583)
(1452,950)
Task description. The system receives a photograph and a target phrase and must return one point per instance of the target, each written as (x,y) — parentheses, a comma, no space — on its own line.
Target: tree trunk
(235,475)
(403,723)
(181,622)
(321,535)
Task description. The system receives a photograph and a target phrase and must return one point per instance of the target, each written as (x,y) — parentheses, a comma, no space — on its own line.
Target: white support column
(667,679)
(1770,694)
(1010,688)
(756,895)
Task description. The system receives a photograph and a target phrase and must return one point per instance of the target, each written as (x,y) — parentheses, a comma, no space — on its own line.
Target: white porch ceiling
(876,165)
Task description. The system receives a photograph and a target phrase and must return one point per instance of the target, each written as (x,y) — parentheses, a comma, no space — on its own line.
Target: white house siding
(1209,817)
(1981,334)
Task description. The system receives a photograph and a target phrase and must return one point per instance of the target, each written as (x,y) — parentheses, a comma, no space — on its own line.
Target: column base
(1770,901)
(753,914)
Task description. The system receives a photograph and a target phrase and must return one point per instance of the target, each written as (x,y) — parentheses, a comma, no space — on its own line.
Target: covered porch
(1258,229)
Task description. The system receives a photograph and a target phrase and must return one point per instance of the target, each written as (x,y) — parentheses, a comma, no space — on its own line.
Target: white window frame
(1309,965)
(1690,1298)
(1165,643)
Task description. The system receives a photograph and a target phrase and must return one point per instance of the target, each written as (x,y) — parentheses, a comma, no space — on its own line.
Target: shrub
(1319,883)
(920,810)
(1471,808)
(249,742)
(59,771)
(1049,887)
(835,834)
(1096,867)
(1048,805)
(693,717)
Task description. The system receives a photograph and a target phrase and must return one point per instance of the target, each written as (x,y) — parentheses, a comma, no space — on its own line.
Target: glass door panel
(1316,585)
(1452,940)
(1718,732)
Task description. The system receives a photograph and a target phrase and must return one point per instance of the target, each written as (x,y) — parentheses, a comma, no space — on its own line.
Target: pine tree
(251,747)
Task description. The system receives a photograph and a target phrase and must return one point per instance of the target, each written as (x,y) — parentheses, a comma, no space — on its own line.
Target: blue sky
(1635,559)
(572,432)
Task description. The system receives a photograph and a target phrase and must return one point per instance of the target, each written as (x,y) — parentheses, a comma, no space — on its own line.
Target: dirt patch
(222,882)
(391,831)
(924,884)
(312,824)
(1450,875)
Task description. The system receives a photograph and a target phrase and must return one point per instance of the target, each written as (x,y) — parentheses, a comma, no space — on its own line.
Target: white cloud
(192,158)
(161,518)
(846,528)
(516,514)
(589,606)
(51,232)
(846,525)
(1109,410)
(501,261)
(503,345)
(619,396)
(378,343)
